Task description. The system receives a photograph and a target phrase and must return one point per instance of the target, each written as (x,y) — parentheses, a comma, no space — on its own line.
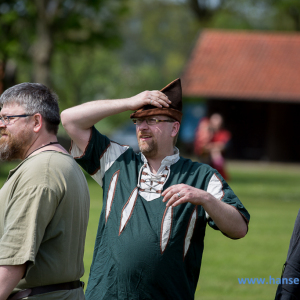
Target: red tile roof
(244,65)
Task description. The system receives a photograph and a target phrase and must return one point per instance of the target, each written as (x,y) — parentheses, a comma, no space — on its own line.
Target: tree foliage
(287,14)
(78,40)
(248,14)
(35,29)
(157,36)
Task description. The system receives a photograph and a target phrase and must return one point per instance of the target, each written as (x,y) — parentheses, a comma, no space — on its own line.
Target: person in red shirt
(210,142)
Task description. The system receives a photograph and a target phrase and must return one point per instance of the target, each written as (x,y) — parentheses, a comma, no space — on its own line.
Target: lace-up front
(151,185)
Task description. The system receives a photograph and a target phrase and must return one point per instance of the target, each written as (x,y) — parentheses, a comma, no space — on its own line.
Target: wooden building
(253,80)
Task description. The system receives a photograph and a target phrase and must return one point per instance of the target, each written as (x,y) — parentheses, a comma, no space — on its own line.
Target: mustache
(3,131)
(144,133)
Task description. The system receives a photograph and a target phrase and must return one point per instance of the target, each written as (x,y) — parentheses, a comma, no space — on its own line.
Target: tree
(287,14)
(157,37)
(248,14)
(51,25)
(205,9)
(9,43)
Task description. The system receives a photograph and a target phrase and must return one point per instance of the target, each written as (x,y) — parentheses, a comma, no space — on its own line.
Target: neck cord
(51,143)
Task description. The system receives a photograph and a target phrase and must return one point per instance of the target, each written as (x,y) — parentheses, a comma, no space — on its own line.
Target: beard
(12,147)
(149,149)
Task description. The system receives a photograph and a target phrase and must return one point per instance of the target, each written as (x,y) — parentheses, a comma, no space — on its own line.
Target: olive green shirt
(43,221)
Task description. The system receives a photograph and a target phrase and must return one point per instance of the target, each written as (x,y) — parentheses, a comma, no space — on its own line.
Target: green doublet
(144,250)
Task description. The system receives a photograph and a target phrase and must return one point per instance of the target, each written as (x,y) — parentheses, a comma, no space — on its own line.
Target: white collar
(150,185)
(167,161)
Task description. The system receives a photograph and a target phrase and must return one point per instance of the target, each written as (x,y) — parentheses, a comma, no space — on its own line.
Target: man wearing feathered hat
(156,204)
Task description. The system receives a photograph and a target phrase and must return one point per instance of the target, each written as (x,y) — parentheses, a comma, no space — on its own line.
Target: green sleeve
(97,146)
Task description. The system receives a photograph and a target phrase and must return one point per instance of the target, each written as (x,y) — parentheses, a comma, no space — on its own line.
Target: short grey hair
(35,98)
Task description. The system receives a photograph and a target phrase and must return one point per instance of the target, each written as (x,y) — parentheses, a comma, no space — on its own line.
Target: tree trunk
(43,47)
(2,72)
(201,13)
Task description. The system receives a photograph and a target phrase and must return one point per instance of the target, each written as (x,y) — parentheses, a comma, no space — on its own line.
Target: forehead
(11,108)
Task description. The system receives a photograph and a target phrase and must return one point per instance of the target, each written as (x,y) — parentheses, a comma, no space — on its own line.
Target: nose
(2,124)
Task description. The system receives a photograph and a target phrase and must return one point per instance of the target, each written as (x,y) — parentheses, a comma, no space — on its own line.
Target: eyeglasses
(6,120)
(152,121)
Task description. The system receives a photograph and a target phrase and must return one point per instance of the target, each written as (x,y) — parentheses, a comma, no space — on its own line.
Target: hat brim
(170,112)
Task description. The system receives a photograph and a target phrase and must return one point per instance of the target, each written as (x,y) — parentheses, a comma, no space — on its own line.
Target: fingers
(169,189)
(182,193)
(167,194)
(176,199)
(157,98)
(174,195)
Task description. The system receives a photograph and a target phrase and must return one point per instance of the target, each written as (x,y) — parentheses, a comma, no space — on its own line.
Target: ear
(175,128)
(38,122)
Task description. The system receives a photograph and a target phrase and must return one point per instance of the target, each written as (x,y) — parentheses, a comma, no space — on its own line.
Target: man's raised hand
(155,98)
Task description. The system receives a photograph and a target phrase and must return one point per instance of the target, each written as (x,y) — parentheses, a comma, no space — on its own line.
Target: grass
(271,194)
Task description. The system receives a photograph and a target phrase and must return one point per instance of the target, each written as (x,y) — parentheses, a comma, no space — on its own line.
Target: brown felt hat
(174,93)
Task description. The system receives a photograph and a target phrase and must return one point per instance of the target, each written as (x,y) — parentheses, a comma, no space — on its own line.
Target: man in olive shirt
(44,202)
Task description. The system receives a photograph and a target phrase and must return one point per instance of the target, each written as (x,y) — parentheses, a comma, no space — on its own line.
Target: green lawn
(271,193)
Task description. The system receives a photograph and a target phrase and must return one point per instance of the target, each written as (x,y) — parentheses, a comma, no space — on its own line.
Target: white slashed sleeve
(215,188)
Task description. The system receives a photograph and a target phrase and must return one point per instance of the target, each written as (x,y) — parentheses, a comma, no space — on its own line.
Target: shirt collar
(167,161)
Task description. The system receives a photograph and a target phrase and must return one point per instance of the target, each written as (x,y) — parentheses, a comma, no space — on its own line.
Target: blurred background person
(211,140)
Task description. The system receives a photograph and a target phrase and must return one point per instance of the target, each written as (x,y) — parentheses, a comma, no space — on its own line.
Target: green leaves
(35,30)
